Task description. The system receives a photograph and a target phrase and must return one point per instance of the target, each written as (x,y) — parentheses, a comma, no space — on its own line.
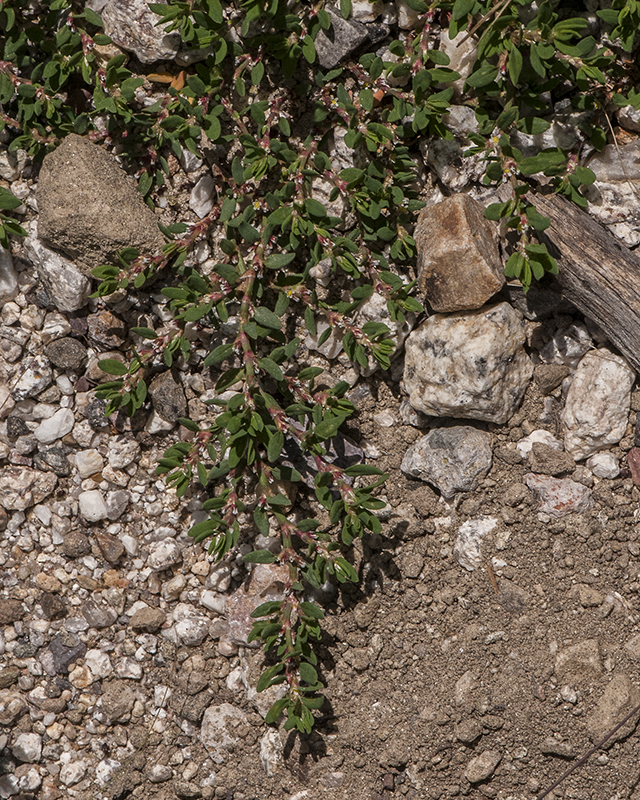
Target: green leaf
(308,673)
(366,99)
(262,521)
(219,354)
(276,710)
(515,64)
(274,449)
(8,201)
(267,609)
(260,557)
(314,208)
(263,316)
(279,260)
(146,333)
(345,8)
(270,366)
(311,610)
(113,367)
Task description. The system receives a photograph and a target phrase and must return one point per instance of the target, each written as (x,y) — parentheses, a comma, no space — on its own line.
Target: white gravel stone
(129,668)
(27,747)
(201,197)
(123,452)
(213,601)
(192,628)
(88,462)
(133,26)
(468,546)
(525,445)
(57,426)
(171,590)
(73,772)
(604,465)
(99,663)
(66,286)
(468,364)
(215,733)
(92,505)
(34,379)
(164,554)
(30,781)
(597,406)
(23,487)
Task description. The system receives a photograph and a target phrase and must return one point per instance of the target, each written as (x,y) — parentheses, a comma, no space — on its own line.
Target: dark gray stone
(53,607)
(167,397)
(55,458)
(98,615)
(76,544)
(67,353)
(89,208)
(94,413)
(343,37)
(17,427)
(66,649)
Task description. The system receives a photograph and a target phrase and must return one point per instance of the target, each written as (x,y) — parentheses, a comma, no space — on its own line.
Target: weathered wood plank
(599,275)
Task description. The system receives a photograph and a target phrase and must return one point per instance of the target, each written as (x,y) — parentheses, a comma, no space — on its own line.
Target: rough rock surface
(89,208)
(342,38)
(459,264)
(559,497)
(597,405)
(470,364)
(620,697)
(133,26)
(453,459)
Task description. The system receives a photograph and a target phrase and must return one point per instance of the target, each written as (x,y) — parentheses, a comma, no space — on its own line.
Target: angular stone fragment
(216,733)
(9,287)
(459,264)
(10,610)
(12,706)
(148,620)
(89,208)
(597,406)
(167,397)
(579,662)
(619,698)
(482,767)
(66,286)
(470,364)
(22,487)
(342,38)
(453,459)
(133,26)
(559,497)
(468,546)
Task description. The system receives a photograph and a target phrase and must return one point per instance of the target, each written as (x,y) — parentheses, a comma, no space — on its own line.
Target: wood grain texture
(599,275)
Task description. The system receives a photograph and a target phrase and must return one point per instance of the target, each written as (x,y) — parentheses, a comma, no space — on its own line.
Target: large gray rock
(89,208)
(598,402)
(67,287)
(468,365)
(216,733)
(133,26)
(612,198)
(459,264)
(453,459)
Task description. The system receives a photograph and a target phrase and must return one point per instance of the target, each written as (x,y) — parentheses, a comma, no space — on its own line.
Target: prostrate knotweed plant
(307,240)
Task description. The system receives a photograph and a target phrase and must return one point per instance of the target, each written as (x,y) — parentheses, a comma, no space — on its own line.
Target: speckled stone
(469,365)
(597,405)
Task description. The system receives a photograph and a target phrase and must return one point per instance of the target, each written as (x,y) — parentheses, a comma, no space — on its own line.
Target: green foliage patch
(288,263)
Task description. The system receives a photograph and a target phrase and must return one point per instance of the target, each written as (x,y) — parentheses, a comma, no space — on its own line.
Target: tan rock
(618,700)
(459,264)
